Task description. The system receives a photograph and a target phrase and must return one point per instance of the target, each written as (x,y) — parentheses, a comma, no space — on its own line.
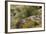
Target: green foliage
(26,11)
(23,12)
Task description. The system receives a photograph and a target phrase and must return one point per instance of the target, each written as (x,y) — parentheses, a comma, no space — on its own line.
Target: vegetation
(25,16)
